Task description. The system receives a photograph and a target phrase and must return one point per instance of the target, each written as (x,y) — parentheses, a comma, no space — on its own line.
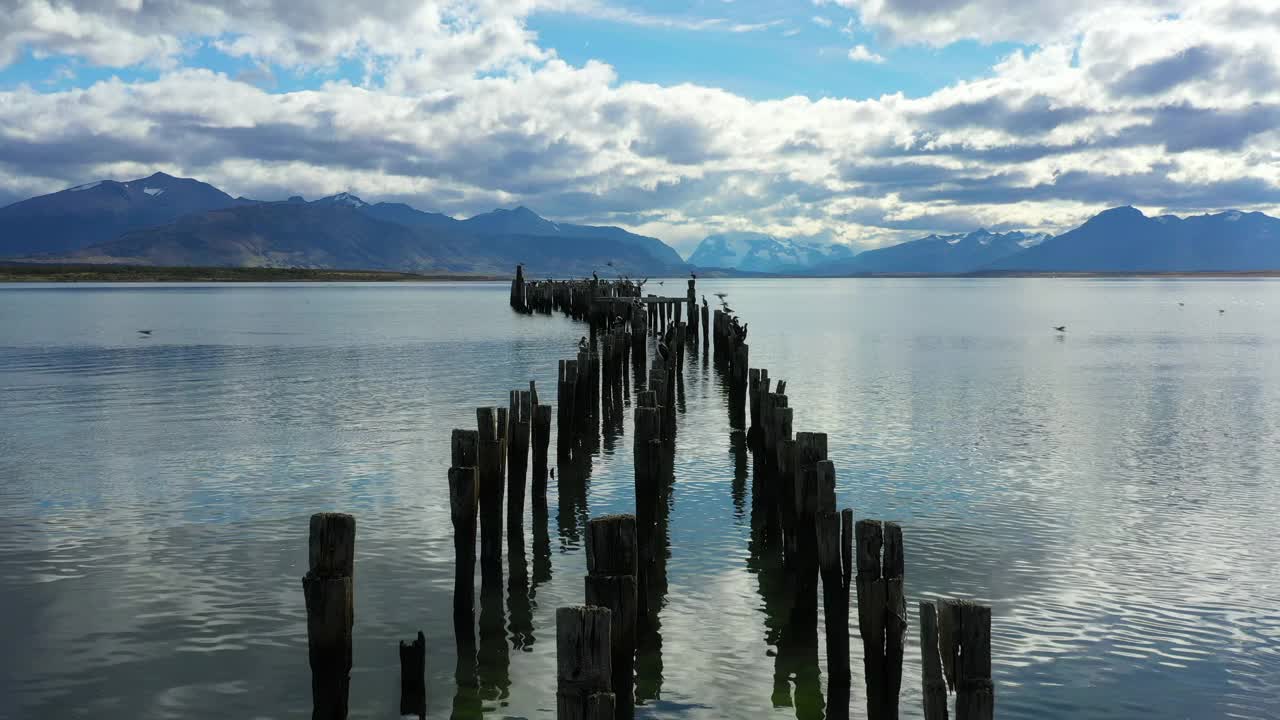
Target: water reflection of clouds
(1109,493)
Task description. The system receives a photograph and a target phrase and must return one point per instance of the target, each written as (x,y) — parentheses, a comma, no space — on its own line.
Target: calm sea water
(1111,492)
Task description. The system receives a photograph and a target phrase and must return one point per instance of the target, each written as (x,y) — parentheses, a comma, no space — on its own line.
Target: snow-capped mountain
(342,198)
(758,252)
(85,214)
(1122,239)
(939,254)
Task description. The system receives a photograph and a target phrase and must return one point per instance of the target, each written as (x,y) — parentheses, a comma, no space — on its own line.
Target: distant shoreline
(91,273)
(19,272)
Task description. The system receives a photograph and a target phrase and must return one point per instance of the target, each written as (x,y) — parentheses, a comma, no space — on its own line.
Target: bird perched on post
(663,352)
(582,343)
(693,275)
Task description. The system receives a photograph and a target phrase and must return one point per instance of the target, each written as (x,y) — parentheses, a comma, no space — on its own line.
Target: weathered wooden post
(413,678)
(971,653)
(521,419)
(566,406)
(328,588)
(933,683)
(583,664)
(541,439)
(881,614)
(706,323)
(835,593)
(693,311)
(647,461)
(517,289)
(491,459)
(612,566)
(463,502)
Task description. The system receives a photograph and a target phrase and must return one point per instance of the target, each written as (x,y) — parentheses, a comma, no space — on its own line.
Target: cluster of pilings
(607,649)
(588,299)
(800,539)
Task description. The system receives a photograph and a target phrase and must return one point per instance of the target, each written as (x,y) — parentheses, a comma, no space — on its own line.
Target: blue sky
(862,121)
(760,50)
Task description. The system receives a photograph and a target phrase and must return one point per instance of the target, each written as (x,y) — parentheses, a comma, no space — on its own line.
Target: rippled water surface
(1111,492)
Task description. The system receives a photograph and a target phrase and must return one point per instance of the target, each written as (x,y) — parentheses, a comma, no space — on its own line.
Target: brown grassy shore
(32,272)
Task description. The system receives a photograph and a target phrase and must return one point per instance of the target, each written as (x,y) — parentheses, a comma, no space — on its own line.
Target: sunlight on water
(1109,491)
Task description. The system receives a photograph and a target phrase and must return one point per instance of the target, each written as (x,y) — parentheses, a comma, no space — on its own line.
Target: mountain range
(1124,240)
(164,220)
(936,254)
(758,252)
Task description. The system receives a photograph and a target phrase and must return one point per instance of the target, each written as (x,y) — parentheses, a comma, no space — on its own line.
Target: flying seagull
(720,295)
(1060,328)
(144,332)
(1181,304)
(660,282)
(1221,311)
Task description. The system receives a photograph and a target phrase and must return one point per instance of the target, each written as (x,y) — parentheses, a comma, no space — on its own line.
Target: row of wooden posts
(794,509)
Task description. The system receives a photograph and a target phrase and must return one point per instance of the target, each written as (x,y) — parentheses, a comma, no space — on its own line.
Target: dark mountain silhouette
(523,221)
(1124,240)
(936,254)
(411,217)
(342,234)
(80,216)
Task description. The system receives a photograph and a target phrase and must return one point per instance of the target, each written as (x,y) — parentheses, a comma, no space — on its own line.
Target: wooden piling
(566,405)
(583,663)
(463,506)
(693,311)
(933,684)
(975,693)
(612,567)
(541,440)
(329,591)
(413,680)
(520,414)
(492,482)
(881,614)
(835,607)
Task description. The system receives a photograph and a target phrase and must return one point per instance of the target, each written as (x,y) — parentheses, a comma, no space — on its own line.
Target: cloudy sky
(867,121)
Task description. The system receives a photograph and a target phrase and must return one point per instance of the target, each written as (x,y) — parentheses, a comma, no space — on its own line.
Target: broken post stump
(583,663)
(329,591)
(835,597)
(612,568)
(975,693)
(413,677)
(933,684)
(881,614)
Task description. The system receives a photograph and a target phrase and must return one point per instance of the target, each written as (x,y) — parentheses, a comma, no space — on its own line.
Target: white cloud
(821,21)
(1177,113)
(860,53)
